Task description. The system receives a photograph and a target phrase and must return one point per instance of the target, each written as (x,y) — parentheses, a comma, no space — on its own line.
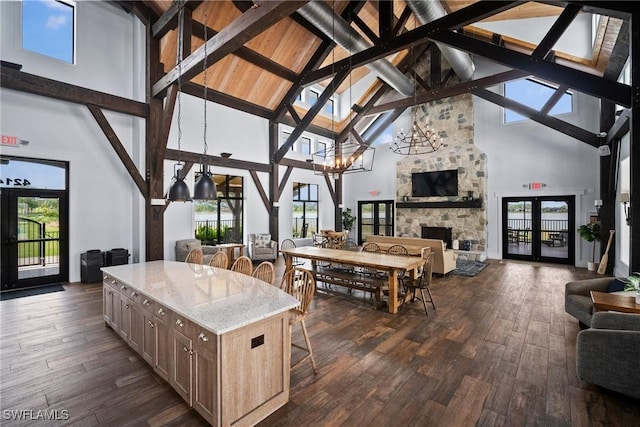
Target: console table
(603,301)
(221,339)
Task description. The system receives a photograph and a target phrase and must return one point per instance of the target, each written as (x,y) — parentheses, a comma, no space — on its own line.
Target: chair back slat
(300,284)
(265,271)
(243,265)
(195,256)
(220,260)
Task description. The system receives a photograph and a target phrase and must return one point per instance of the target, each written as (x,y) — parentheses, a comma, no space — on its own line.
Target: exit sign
(536,185)
(12,141)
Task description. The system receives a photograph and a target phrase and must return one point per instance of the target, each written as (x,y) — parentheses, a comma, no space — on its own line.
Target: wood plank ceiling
(284,50)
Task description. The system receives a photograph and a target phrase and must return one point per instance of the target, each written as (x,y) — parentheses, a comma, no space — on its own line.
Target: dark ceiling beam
(446,92)
(30,83)
(386,19)
(619,55)
(553,99)
(373,37)
(402,20)
(579,80)
(311,114)
(139,9)
(216,161)
(460,18)
(317,130)
(117,146)
(226,100)
(620,127)
(232,37)
(296,164)
(381,124)
(249,55)
(284,180)
(617,9)
(530,113)
(555,32)
(169,20)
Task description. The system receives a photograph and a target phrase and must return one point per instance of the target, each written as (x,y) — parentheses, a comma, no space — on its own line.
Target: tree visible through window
(534,94)
(48,28)
(305,209)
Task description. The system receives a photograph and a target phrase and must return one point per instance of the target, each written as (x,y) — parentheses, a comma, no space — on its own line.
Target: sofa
(444,261)
(262,248)
(608,353)
(184,246)
(577,298)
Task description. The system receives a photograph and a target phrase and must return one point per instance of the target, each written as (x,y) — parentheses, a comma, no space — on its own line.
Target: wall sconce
(624,199)
(598,205)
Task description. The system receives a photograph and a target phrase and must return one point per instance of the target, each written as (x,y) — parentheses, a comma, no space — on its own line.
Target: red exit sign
(12,141)
(536,185)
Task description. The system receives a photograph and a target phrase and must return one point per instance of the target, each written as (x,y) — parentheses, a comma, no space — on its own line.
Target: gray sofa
(608,353)
(577,299)
(183,247)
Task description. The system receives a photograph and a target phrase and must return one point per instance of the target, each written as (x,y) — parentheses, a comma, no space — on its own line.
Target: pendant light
(179,191)
(205,186)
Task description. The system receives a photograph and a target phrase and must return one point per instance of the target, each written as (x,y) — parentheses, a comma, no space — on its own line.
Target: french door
(539,228)
(34,237)
(375,218)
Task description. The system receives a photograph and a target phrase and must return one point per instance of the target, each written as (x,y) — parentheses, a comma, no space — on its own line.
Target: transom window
(534,94)
(48,28)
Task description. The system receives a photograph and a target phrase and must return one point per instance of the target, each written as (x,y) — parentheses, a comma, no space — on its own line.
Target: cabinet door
(163,348)
(136,331)
(125,317)
(148,349)
(107,304)
(205,378)
(181,373)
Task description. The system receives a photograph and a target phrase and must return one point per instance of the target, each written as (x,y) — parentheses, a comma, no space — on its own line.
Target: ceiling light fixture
(179,191)
(205,186)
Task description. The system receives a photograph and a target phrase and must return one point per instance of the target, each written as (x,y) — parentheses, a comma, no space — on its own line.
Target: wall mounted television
(436,183)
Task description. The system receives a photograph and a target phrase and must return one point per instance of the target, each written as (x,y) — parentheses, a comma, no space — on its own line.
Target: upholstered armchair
(183,247)
(608,353)
(262,248)
(577,297)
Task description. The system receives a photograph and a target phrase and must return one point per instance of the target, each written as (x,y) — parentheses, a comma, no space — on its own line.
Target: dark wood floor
(499,350)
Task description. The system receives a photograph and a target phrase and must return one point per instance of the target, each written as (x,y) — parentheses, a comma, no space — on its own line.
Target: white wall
(104,204)
(523,152)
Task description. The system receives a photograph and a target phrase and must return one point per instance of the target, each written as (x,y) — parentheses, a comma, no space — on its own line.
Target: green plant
(590,232)
(632,283)
(347,219)
(206,234)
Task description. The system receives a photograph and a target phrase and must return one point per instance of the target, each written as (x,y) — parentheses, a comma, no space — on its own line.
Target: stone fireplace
(465,214)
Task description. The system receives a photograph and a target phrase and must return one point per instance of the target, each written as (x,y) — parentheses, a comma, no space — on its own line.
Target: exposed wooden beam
(553,99)
(225,162)
(284,180)
(436,67)
(311,114)
(404,17)
(117,146)
(226,100)
(366,30)
(634,143)
(332,192)
(446,92)
(30,83)
(581,81)
(169,20)
(555,32)
(296,164)
(385,20)
(263,194)
(530,113)
(620,127)
(237,34)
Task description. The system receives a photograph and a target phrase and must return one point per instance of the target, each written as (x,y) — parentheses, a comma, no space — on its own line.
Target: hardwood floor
(499,350)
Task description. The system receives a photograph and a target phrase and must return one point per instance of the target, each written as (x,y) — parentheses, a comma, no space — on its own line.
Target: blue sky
(534,95)
(40,175)
(47,28)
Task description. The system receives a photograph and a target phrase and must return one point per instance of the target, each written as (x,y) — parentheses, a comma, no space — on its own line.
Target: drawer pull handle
(134,294)
(126,306)
(105,277)
(203,337)
(145,302)
(185,349)
(179,323)
(151,325)
(123,288)
(161,312)
(114,282)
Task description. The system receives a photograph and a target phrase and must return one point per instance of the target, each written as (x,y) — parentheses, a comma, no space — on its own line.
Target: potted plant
(591,232)
(347,220)
(632,283)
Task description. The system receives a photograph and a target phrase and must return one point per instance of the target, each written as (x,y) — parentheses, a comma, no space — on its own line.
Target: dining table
(394,265)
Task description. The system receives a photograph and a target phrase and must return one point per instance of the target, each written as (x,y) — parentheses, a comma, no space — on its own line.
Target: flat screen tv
(437,183)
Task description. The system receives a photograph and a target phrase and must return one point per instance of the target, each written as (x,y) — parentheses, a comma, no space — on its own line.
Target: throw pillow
(263,240)
(616,285)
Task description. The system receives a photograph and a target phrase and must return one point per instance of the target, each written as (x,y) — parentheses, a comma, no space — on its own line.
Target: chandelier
(346,157)
(419,141)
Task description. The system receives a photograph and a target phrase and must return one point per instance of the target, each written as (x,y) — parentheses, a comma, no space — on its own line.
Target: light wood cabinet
(235,378)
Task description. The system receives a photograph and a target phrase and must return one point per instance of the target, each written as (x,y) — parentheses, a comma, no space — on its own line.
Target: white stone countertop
(216,299)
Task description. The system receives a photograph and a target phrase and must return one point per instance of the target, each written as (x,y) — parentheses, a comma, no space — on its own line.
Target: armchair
(183,247)
(577,298)
(262,248)
(607,354)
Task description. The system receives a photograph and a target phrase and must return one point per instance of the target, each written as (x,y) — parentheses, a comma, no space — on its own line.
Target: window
(305,209)
(328,107)
(534,94)
(322,149)
(48,28)
(313,96)
(305,145)
(220,220)
(285,136)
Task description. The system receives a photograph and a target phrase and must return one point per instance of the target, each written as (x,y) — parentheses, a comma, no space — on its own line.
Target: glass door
(539,229)
(375,218)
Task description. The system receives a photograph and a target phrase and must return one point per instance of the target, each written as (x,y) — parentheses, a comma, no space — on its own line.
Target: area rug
(468,268)
(7,295)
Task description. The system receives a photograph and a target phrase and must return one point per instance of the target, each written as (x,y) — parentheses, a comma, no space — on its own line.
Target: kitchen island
(221,339)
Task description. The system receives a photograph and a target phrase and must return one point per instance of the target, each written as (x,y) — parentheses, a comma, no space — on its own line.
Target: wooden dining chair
(290,244)
(195,256)
(220,260)
(243,265)
(422,283)
(373,248)
(398,250)
(300,284)
(265,271)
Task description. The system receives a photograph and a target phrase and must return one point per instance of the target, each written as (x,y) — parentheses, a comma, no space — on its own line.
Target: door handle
(11,240)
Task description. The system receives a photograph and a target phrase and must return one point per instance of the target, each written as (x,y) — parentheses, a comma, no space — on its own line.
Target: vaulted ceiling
(264,75)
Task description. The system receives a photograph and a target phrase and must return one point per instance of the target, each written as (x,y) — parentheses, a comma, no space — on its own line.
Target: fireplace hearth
(440,233)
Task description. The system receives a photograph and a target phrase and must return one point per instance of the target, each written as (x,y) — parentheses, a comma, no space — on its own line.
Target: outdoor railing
(35,245)
(224,231)
(548,227)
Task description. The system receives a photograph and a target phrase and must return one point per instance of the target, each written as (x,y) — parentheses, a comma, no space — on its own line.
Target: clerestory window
(48,28)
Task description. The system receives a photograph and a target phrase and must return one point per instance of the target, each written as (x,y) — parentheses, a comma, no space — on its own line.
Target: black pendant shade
(205,186)
(179,191)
